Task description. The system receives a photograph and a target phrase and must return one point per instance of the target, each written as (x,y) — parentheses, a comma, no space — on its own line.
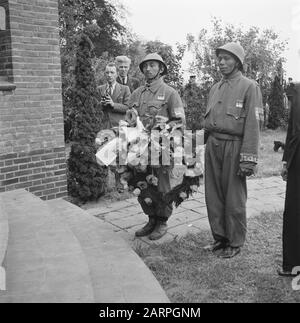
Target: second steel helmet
(234,48)
(154,57)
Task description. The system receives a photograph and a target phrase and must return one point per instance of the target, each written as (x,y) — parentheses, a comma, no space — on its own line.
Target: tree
(112,31)
(86,179)
(263,49)
(276,102)
(99,20)
(194,106)
(136,51)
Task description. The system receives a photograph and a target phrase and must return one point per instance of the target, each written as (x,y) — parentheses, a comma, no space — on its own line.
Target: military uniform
(231,123)
(151,100)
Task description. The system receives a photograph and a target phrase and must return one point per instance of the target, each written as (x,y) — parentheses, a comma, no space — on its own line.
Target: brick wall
(32,150)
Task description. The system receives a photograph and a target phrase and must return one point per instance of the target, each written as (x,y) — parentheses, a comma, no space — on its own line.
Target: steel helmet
(154,57)
(234,48)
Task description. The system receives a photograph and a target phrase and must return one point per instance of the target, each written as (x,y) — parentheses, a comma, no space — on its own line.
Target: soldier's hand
(284,172)
(246,169)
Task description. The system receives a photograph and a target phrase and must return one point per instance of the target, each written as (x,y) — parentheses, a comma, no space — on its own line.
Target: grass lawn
(270,162)
(189,274)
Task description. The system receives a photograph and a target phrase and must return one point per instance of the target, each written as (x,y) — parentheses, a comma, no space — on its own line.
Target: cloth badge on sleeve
(239,104)
(178,112)
(257,113)
(161,97)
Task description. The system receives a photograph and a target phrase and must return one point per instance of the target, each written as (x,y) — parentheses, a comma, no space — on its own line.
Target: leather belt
(225,136)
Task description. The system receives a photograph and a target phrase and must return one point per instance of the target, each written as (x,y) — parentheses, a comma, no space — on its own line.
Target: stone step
(118,275)
(44,261)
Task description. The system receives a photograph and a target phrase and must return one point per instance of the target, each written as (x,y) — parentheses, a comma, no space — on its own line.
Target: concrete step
(118,275)
(44,261)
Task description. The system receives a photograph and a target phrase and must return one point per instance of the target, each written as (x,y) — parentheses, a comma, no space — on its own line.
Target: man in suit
(291,174)
(114,97)
(123,65)
(114,102)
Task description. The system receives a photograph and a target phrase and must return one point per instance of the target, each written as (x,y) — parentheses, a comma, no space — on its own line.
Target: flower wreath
(129,148)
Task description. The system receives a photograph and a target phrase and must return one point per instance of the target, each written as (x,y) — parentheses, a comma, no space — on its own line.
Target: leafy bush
(86,179)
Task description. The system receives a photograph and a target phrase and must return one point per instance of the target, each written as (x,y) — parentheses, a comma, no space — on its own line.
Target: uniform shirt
(157,99)
(233,108)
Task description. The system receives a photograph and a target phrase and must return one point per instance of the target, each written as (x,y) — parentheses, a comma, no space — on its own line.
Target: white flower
(148,201)
(194,188)
(183,195)
(137,192)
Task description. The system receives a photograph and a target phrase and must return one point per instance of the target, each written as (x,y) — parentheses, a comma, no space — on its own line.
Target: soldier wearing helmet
(231,125)
(156,100)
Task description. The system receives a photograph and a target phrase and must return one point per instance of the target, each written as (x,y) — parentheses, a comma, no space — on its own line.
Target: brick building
(32,149)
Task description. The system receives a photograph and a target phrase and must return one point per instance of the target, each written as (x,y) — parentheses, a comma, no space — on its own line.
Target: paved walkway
(125,217)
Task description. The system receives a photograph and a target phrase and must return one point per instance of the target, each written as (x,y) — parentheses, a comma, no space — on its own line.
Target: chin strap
(156,77)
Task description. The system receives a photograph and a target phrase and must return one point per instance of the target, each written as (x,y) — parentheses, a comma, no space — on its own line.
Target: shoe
(229,252)
(160,230)
(147,229)
(217,245)
(285,273)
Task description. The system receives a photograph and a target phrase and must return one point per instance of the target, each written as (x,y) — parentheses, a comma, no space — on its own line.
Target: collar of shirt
(231,79)
(154,86)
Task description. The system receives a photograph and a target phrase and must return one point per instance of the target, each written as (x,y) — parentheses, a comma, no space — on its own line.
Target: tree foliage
(263,50)
(112,38)
(277,115)
(194,106)
(86,179)
(98,19)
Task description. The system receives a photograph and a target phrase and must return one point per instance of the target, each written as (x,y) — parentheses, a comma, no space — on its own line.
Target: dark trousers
(291,216)
(225,191)
(156,211)
(159,211)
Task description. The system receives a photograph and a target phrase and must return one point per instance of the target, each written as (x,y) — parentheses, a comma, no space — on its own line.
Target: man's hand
(107,102)
(246,169)
(284,172)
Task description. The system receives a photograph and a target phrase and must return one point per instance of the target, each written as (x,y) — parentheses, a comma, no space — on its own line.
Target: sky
(171,20)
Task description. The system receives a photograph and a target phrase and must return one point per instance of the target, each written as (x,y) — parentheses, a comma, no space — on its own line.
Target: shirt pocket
(154,107)
(236,110)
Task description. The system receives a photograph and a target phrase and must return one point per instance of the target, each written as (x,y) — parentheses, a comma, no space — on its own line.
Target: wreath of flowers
(130,147)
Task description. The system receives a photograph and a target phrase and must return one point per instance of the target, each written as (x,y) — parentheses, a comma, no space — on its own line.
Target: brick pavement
(125,217)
